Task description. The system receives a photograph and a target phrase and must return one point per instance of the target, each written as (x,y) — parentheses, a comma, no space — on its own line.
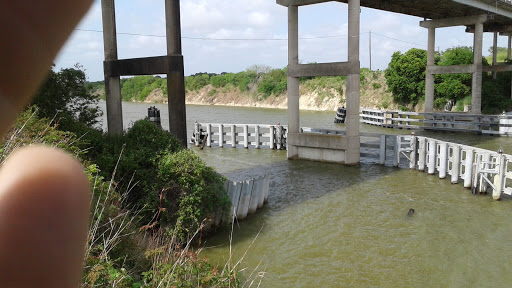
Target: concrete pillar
(175,78)
(112,84)
(494,53)
(352,154)
(509,56)
(476,88)
(293,83)
(509,50)
(429,78)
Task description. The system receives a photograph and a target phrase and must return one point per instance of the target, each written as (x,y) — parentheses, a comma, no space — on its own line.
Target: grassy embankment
(121,251)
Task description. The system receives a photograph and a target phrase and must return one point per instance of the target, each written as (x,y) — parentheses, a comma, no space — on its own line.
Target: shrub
(440,102)
(273,83)
(193,192)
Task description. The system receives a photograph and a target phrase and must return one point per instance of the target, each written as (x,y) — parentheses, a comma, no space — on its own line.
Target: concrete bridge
(478,16)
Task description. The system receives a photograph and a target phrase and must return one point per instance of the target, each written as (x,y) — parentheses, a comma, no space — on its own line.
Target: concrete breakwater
(231,135)
(479,169)
(499,125)
(247,196)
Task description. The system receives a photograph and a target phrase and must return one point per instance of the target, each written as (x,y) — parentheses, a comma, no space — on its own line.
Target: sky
(262,26)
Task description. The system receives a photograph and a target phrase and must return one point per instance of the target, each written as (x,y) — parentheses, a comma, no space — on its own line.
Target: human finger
(31,32)
(44,213)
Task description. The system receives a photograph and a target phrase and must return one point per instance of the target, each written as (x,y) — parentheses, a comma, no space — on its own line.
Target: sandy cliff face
(317,100)
(317,97)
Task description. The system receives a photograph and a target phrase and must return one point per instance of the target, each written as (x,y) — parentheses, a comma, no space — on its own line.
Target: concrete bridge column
(476,89)
(494,53)
(352,154)
(175,77)
(293,82)
(509,47)
(429,77)
(509,50)
(112,83)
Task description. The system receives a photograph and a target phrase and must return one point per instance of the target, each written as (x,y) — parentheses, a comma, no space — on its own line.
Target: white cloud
(251,19)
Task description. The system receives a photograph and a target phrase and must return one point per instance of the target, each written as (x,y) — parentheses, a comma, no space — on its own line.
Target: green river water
(328,225)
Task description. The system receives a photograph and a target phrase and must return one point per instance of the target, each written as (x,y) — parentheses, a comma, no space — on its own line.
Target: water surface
(328,225)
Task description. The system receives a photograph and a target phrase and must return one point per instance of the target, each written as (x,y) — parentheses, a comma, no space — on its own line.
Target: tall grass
(118,253)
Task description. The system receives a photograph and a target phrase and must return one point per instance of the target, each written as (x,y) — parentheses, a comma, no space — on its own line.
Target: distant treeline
(261,80)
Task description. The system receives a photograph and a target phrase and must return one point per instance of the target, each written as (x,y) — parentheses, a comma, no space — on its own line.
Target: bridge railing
(447,121)
(244,135)
(478,169)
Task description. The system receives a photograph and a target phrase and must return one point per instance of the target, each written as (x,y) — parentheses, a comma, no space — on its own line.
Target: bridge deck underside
(436,9)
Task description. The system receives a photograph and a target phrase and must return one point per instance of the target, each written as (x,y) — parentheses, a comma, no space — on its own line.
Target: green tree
(454,86)
(64,95)
(405,76)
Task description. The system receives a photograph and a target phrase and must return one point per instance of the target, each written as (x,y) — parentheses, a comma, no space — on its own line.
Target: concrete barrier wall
(247,196)
(479,169)
(440,121)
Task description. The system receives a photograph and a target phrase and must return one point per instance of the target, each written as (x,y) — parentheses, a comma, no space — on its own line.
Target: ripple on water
(334,226)
(350,228)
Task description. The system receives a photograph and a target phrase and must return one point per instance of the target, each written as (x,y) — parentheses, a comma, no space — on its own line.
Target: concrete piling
(247,196)
(246,136)
(209,132)
(443,159)
(422,154)
(257,137)
(257,190)
(221,135)
(233,136)
(486,159)
(468,166)
(500,178)
(414,151)
(396,152)
(272,135)
(382,150)
(455,164)
(432,149)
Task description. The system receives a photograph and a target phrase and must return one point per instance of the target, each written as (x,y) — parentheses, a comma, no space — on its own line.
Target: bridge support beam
(475,69)
(112,83)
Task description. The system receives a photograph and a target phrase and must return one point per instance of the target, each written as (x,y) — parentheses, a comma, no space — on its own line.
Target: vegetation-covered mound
(151,196)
